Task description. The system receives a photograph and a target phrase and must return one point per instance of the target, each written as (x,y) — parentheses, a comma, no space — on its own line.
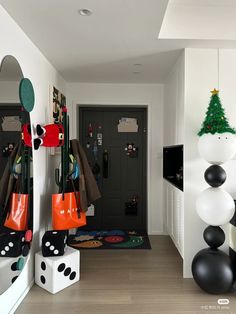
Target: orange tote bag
(18,214)
(66,214)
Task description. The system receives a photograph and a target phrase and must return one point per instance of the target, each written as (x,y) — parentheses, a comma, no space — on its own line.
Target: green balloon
(26,93)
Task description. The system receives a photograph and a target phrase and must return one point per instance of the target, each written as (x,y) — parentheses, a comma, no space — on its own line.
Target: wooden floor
(128,282)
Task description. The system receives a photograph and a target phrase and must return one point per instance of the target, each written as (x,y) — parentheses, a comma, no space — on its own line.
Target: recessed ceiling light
(136,72)
(137,64)
(85,12)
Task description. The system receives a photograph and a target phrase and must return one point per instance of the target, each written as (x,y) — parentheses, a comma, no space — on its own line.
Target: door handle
(105,164)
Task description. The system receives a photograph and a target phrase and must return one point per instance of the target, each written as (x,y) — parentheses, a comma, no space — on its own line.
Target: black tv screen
(173,165)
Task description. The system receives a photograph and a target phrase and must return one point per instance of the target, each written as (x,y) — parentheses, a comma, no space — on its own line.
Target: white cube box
(8,272)
(57,272)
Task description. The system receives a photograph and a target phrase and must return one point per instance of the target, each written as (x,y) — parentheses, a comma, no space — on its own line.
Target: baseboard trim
(157,233)
(177,246)
(18,302)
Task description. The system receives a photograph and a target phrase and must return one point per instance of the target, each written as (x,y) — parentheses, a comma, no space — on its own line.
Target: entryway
(115,142)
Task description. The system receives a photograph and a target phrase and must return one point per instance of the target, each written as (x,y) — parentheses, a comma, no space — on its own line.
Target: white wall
(137,95)
(201,76)
(34,66)
(9,92)
(173,135)
(174,104)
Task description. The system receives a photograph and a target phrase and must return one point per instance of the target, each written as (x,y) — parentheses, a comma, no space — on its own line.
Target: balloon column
(212,268)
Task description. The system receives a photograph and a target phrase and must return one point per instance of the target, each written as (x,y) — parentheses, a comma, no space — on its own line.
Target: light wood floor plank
(129,282)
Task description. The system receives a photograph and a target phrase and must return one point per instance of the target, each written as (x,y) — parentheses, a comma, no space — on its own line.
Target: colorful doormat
(113,239)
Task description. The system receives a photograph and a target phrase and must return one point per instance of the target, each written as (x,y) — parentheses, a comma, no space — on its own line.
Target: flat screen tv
(173,165)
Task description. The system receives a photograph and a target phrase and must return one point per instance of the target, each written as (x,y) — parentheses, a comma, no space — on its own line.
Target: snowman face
(217,148)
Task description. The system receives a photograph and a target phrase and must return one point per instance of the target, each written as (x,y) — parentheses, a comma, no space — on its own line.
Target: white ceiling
(104,46)
(200,19)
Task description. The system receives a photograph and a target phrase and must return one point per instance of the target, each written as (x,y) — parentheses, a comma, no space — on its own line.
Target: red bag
(18,214)
(66,214)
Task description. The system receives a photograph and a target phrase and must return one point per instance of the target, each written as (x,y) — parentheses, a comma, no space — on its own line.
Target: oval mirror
(16,182)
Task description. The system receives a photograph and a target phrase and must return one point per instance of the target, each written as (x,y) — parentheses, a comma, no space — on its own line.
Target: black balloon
(212,271)
(214,236)
(215,176)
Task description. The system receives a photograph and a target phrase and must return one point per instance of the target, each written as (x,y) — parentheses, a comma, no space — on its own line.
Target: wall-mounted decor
(212,269)
(51,135)
(57,103)
(26,93)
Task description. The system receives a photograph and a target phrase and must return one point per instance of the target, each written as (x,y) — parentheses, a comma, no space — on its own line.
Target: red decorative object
(28,236)
(26,135)
(114,239)
(51,135)
(90,130)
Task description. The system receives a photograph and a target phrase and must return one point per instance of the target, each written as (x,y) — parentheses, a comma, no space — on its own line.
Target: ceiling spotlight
(85,12)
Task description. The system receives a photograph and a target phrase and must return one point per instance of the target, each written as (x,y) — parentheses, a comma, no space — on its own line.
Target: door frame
(147,167)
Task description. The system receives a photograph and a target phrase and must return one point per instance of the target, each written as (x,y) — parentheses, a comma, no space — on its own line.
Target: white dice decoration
(57,272)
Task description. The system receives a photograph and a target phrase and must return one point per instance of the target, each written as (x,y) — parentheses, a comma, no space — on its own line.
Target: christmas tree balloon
(217,142)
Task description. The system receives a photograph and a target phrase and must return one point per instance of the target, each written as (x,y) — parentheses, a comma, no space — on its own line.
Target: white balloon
(217,148)
(215,206)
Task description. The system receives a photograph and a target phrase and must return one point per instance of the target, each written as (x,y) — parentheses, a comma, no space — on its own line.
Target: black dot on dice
(14,278)
(13,266)
(43,280)
(43,266)
(67,271)
(72,275)
(61,267)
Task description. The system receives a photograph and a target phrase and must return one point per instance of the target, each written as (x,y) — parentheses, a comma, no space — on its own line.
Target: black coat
(7,182)
(88,188)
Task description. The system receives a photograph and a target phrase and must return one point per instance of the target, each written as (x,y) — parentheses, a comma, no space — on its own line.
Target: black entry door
(121,177)
(9,137)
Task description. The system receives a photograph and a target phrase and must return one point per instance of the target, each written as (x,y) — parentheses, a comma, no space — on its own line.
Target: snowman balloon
(211,268)
(217,142)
